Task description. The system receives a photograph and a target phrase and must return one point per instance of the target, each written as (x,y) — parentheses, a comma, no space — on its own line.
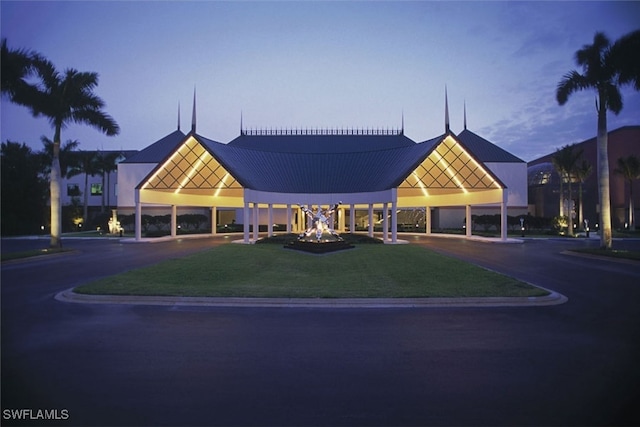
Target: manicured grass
(613,253)
(272,271)
(28,254)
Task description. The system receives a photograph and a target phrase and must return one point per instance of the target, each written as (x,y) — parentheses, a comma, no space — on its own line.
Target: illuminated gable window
(192,169)
(449,167)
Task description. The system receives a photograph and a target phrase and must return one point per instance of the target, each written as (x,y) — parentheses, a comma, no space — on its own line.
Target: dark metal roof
(317,163)
(484,150)
(159,150)
(323,168)
(331,143)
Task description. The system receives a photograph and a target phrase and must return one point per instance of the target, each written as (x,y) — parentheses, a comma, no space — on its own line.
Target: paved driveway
(571,364)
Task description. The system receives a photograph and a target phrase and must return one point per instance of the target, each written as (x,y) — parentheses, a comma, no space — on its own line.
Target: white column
(214,222)
(503,215)
(370,220)
(341,219)
(256,222)
(174,220)
(247,218)
(394,221)
(385,223)
(468,221)
(289,228)
(298,220)
(270,217)
(427,219)
(333,220)
(138,225)
(352,218)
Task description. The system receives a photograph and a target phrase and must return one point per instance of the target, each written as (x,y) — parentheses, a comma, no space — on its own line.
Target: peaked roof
(319,163)
(486,151)
(322,163)
(157,151)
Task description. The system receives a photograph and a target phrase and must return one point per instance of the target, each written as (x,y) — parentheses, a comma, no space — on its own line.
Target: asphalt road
(569,364)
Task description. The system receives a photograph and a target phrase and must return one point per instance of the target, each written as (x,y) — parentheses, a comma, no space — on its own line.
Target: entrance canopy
(203,172)
(288,168)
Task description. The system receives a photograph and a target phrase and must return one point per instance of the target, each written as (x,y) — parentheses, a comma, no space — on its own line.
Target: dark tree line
(25,185)
(24,190)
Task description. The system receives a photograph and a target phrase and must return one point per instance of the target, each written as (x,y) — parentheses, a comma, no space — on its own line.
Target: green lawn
(28,254)
(272,271)
(612,253)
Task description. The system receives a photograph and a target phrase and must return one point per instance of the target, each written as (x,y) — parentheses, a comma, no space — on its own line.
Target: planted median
(367,271)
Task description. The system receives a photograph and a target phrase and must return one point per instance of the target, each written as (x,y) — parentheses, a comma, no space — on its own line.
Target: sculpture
(320,223)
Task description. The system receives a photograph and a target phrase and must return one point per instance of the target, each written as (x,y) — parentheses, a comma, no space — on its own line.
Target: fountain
(320,237)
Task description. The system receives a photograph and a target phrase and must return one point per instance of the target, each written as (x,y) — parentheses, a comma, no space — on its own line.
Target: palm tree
(18,65)
(87,164)
(582,172)
(64,98)
(629,168)
(606,68)
(107,163)
(67,159)
(565,163)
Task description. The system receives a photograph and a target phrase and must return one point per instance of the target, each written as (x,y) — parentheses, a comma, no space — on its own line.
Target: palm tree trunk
(54,188)
(561,196)
(581,215)
(102,195)
(108,188)
(569,210)
(632,222)
(603,177)
(85,208)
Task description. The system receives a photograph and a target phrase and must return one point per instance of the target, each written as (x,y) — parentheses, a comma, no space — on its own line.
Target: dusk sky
(322,64)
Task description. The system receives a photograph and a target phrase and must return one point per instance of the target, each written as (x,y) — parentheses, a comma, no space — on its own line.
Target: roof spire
(402,128)
(446,110)
(241,131)
(193,114)
(465,114)
(178,115)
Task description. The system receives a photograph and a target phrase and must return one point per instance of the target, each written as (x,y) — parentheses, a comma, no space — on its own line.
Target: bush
(353,239)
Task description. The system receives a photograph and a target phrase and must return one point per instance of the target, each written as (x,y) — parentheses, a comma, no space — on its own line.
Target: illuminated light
(493,181)
(192,172)
(160,169)
(449,172)
(221,185)
(422,187)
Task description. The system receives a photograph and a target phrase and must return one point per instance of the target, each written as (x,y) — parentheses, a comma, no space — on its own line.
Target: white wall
(129,176)
(92,200)
(514,176)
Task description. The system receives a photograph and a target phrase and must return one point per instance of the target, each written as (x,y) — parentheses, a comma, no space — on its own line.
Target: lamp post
(586,226)
(522,226)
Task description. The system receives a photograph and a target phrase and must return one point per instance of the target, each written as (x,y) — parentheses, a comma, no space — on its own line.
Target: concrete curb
(553,298)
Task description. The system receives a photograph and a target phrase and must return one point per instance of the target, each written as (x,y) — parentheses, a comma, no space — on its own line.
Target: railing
(322,131)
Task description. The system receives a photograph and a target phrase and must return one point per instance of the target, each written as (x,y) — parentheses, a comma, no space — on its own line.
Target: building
(101,189)
(381,178)
(73,186)
(544,182)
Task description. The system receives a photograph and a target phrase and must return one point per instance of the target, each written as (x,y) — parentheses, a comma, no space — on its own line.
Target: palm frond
(625,55)
(613,98)
(570,83)
(97,119)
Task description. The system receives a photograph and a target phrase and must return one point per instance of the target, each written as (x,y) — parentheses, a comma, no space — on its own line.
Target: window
(96,189)
(73,190)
